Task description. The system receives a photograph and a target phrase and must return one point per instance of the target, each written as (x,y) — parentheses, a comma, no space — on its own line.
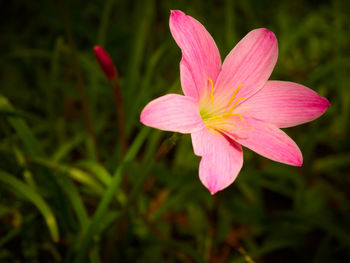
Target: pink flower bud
(105,62)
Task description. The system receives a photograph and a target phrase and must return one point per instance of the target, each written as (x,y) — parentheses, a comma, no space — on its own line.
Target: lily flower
(226,105)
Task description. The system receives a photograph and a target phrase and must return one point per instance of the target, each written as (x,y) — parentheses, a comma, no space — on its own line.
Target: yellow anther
(234,94)
(211,91)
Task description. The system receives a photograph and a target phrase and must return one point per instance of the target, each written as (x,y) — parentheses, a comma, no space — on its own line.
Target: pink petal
(249,64)
(173,112)
(187,81)
(221,162)
(285,104)
(200,56)
(266,140)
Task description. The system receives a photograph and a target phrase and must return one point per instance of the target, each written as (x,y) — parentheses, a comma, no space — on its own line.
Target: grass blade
(93,227)
(35,198)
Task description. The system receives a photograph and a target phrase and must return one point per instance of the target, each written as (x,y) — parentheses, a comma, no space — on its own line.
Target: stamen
(234,105)
(234,94)
(215,117)
(217,120)
(236,114)
(211,91)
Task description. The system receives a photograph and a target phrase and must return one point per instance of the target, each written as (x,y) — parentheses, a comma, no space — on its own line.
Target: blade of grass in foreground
(98,170)
(93,227)
(33,149)
(75,173)
(35,198)
(76,200)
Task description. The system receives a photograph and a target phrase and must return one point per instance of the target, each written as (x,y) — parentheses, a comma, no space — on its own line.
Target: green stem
(166,146)
(120,115)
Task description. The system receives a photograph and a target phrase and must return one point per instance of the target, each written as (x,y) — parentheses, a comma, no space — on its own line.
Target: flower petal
(173,112)
(200,55)
(222,159)
(187,82)
(249,65)
(266,140)
(285,104)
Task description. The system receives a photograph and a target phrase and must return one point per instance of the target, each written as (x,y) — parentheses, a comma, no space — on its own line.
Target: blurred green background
(67,194)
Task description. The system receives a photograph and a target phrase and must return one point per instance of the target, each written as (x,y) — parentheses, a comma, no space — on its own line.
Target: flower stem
(120,115)
(166,146)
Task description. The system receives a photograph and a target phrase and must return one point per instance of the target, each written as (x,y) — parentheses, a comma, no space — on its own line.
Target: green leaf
(76,201)
(94,226)
(332,162)
(77,174)
(67,147)
(98,170)
(35,198)
(23,131)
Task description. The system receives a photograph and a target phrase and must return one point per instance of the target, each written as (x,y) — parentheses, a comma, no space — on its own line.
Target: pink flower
(232,104)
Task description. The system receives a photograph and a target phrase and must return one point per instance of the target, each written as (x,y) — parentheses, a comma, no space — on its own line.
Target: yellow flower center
(216,117)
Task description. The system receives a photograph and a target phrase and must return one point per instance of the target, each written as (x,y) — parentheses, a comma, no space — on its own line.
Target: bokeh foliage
(67,197)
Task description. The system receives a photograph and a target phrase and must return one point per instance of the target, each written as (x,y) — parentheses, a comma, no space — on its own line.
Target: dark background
(57,165)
